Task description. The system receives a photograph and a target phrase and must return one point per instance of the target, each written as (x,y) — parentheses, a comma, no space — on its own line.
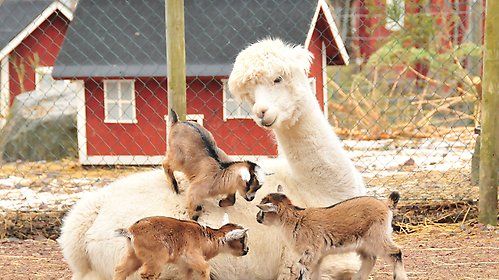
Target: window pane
(245,109)
(128,112)
(111,90)
(126,90)
(113,111)
(231,108)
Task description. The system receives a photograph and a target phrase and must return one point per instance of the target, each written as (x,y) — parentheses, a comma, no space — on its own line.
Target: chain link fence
(84,89)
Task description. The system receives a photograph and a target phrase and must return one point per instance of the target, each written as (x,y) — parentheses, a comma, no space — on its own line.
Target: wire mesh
(84,89)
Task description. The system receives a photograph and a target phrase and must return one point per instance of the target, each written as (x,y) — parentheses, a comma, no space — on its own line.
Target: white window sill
(121,121)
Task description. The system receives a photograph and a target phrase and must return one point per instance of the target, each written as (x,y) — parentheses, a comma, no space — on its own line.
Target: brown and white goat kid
(154,242)
(193,151)
(361,224)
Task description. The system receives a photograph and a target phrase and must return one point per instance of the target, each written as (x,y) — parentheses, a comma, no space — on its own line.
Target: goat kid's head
(235,240)
(270,208)
(253,177)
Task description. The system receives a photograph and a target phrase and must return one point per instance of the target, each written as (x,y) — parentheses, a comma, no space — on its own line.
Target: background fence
(84,89)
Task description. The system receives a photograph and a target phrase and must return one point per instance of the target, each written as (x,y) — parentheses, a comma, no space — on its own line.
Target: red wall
(370,22)
(45,41)
(204,96)
(148,135)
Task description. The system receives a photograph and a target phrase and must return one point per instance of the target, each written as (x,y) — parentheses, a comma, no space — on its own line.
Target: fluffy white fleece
(314,169)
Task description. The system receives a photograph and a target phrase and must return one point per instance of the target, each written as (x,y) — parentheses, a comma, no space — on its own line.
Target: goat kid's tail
(123,232)
(393,199)
(173,117)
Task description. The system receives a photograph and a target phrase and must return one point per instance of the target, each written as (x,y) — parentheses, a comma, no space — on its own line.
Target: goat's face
(270,208)
(253,177)
(272,77)
(235,241)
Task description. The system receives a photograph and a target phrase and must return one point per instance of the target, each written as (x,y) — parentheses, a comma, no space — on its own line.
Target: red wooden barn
(117,48)
(373,22)
(31,34)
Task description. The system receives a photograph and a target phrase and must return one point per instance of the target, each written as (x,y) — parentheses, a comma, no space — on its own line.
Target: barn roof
(120,38)
(21,17)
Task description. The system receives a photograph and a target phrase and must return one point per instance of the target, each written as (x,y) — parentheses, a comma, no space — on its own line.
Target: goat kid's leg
(195,195)
(394,257)
(307,263)
(170,177)
(228,201)
(199,264)
(367,264)
(127,266)
(150,271)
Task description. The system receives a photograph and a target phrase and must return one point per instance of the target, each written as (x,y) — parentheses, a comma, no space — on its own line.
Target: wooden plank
(175,53)
(489,146)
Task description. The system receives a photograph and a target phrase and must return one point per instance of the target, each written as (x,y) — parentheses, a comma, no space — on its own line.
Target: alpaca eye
(278,80)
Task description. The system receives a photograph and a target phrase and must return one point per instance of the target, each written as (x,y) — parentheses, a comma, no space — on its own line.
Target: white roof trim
(33,25)
(336,35)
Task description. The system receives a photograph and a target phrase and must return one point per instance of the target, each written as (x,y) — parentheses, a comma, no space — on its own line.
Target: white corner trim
(81,125)
(33,25)
(332,25)
(4,87)
(123,160)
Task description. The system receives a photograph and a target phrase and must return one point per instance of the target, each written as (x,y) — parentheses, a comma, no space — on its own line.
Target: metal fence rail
(84,87)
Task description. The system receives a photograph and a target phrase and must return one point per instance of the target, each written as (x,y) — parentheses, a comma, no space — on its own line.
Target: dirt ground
(433,252)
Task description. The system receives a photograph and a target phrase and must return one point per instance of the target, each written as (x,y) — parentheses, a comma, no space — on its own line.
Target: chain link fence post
(175,56)
(489,146)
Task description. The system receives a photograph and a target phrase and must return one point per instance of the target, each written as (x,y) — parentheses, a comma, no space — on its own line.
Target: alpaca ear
(267,207)
(303,58)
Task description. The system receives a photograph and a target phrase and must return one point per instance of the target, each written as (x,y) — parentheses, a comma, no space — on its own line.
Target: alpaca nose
(261,113)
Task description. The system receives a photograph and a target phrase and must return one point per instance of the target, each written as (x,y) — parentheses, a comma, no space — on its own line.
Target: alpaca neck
(317,158)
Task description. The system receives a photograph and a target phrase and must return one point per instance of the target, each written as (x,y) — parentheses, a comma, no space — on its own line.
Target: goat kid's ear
(235,234)
(245,174)
(267,207)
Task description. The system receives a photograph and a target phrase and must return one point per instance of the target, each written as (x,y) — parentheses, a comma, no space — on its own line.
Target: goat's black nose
(245,252)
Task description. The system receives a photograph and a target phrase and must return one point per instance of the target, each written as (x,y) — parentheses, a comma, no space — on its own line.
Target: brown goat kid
(156,241)
(193,151)
(361,224)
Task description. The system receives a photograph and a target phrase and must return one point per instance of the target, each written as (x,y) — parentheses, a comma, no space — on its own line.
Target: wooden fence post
(489,146)
(175,56)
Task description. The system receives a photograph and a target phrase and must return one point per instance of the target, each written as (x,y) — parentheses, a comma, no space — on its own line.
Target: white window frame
(226,115)
(120,101)
(392,24)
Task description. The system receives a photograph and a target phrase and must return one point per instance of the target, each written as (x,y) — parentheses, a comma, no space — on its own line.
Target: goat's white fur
(245,174)
(234,234)
(313,167)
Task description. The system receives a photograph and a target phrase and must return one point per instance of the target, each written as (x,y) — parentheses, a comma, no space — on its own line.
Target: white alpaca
(320,174)
(273,78)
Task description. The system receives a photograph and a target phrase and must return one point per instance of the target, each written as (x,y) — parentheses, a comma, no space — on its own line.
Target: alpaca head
(272,77)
